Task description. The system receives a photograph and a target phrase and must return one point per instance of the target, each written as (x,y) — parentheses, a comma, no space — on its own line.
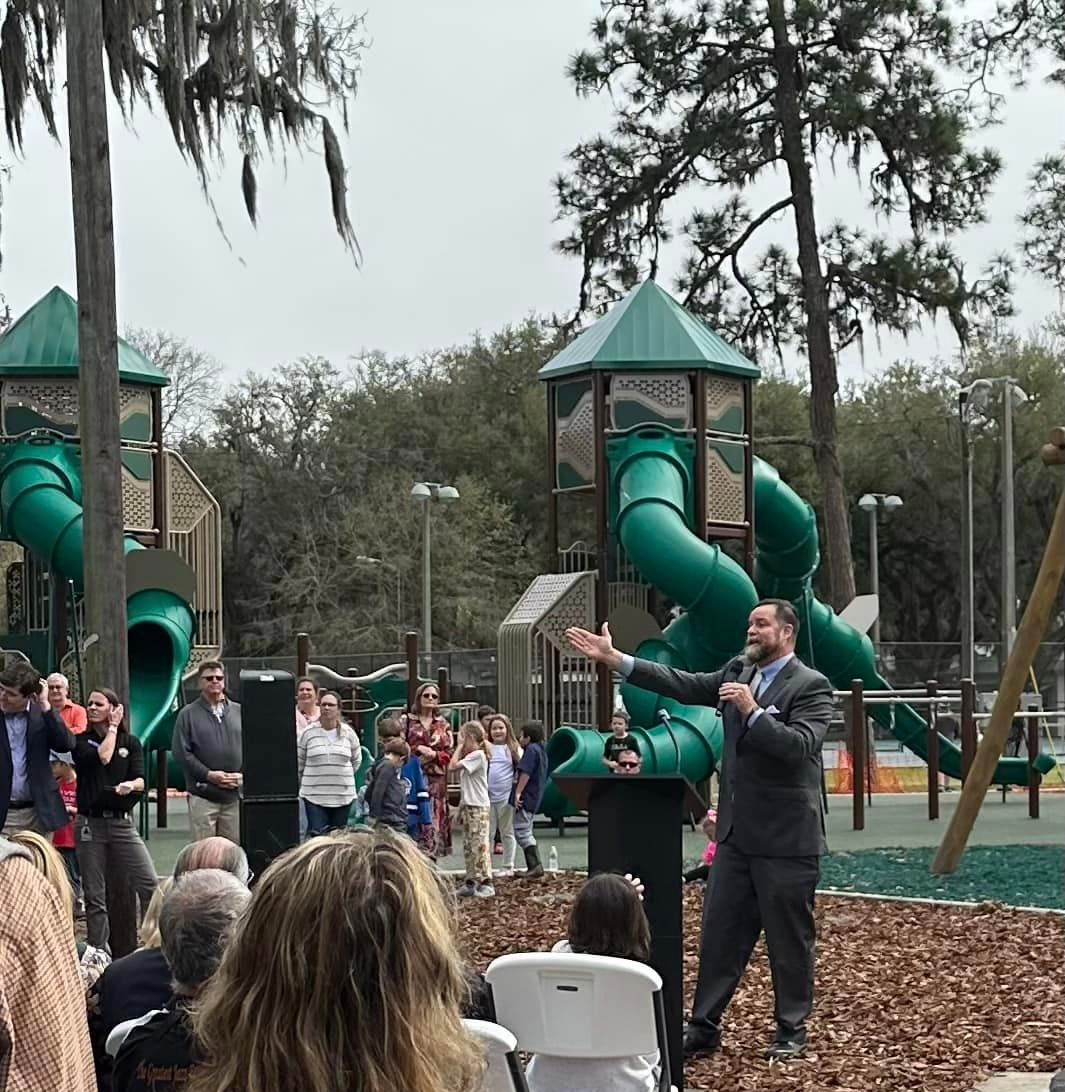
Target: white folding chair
(581,1006)
(504,1072)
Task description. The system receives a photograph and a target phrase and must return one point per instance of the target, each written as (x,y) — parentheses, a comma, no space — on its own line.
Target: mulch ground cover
(1021,875)
(919,997)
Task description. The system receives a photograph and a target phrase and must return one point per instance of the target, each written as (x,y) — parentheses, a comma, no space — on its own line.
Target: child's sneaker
(467,889)
(484,891)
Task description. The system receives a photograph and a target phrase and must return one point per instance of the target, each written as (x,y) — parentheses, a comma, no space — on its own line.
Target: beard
(758,652)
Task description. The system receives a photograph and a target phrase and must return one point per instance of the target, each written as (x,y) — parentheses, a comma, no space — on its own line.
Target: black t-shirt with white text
(615,746)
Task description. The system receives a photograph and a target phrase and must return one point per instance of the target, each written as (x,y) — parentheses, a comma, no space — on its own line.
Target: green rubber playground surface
(1021,875)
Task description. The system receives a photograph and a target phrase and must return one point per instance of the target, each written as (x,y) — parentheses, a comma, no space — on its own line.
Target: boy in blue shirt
(531,776)
(419,814)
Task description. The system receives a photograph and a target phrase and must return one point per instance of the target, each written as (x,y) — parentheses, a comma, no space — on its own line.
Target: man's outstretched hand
(598,647)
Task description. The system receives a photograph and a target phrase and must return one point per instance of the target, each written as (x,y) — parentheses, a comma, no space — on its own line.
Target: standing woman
(329,755)
(307,710)
(110,767)
(429,736)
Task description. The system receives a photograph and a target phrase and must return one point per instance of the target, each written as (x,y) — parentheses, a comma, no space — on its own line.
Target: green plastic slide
(651,512)
(40,508)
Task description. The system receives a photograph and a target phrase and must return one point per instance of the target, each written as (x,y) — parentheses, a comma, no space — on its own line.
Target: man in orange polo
(72,714)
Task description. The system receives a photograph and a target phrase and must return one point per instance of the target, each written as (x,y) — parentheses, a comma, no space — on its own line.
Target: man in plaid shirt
(44,1038)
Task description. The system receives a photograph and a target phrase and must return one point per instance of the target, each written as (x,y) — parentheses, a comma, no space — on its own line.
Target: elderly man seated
(198,917)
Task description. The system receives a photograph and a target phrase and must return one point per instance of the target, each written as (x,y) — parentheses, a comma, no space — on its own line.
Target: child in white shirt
(472,758)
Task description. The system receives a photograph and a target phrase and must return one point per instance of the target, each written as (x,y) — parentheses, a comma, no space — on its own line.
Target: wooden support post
(933,751)
(857,746)
(161,788)
(99,414)
(469,693)
(1034,776)
(552,477)
(604,679)
(968,727)
(442,683)
(1041,604)
(303,653)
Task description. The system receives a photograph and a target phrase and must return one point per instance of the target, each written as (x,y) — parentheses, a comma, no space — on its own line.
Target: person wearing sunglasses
(207,743)
(628,763)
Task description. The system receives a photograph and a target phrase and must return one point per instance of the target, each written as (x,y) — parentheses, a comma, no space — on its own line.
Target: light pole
(872,503)
(378,562)
(425,493)
(973,400)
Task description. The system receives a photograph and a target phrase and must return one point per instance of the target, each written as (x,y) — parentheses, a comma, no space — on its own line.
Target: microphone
(734,673)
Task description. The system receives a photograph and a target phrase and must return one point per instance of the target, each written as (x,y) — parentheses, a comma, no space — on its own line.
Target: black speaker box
(268,828)
(268,719)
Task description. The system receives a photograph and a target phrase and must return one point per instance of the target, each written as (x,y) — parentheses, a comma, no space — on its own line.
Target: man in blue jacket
(29,795)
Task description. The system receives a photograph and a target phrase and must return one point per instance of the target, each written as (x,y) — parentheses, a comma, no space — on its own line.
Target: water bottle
(552,860)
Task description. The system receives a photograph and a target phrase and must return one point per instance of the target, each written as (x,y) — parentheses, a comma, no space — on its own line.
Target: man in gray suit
(770,828)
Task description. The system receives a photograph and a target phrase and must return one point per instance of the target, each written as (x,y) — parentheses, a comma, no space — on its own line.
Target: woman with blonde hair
(354,933)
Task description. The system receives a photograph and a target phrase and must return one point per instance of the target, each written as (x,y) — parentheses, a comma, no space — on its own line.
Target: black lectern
(269,810)
(635,824)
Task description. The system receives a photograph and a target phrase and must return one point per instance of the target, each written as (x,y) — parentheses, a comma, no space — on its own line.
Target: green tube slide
(650,507)
(40,508)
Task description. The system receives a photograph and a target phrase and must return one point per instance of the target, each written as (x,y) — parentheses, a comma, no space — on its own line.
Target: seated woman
(607,919)
(343,974)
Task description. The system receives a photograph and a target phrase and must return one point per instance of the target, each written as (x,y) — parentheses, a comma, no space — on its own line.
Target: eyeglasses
(213,678)
(432,697)
(629,765)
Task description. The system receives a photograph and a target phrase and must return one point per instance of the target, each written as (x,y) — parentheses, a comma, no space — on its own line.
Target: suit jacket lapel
(782,677)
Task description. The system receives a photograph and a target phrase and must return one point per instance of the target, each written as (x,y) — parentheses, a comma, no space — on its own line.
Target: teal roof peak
(44,341)
(648,331)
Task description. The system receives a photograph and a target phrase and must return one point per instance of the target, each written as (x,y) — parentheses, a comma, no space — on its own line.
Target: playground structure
(650,420)
(172,523)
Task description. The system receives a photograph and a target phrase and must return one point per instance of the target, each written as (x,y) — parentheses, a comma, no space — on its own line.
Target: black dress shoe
(699,1042)
(786,1050)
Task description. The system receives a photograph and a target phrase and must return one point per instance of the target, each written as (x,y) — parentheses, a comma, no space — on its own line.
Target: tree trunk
(824,382)
(106,659)
(99,420)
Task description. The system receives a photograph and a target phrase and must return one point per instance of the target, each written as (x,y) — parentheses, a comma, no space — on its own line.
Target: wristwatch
(112,728)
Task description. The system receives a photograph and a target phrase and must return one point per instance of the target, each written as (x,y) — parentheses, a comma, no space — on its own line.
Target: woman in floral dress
(429,736)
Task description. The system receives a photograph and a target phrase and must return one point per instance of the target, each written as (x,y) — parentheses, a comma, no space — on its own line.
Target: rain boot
(532,862)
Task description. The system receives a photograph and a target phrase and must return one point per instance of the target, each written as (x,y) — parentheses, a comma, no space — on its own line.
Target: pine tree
(716,95)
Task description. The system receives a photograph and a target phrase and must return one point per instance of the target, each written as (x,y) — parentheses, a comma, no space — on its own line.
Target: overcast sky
(463,118)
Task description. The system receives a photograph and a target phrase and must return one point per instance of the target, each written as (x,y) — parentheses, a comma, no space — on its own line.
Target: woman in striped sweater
(329,754)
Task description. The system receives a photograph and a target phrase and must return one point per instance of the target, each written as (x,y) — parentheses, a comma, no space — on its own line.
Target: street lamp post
(425,493)
(363,559)
(973,400)
(872,503)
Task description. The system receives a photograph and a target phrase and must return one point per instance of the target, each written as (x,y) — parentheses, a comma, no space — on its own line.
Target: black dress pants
(746,895)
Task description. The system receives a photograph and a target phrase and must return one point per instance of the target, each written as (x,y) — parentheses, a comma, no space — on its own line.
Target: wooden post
(469,693)
(968,727)
(933,751)
(1030,632)
(442,683)
(857,743)
(99,417)
(99,424)
(552,478)
(1034,777)
(162,528)
(604,680)
(303,653)
(699,405)
(161,787)
(410,651)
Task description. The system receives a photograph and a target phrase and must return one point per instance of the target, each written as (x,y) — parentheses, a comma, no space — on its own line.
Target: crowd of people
(342,969)
(355,928)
